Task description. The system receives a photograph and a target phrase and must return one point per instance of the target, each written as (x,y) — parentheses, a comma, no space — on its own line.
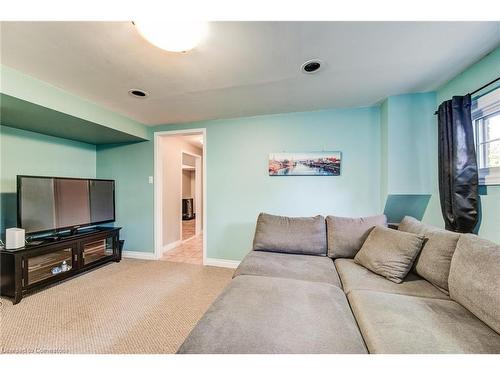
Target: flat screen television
(58,203)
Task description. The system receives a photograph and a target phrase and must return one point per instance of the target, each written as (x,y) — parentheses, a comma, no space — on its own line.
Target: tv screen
(57,203)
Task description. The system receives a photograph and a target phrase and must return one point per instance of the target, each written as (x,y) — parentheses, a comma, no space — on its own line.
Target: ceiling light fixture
(171,36)
(137,93)
(311,66)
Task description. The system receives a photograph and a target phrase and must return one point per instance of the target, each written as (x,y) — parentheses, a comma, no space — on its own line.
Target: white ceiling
(245,68)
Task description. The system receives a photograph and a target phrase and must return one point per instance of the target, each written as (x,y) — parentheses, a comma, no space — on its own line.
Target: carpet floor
(135,306)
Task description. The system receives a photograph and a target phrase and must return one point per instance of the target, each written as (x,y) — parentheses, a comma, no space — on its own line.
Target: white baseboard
(170,246)
(138,255)
(222,263)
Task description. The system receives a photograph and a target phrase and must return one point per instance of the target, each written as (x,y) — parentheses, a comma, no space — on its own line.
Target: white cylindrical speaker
(14,238)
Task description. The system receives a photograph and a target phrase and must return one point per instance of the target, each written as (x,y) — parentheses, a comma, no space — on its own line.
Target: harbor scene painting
(320,163)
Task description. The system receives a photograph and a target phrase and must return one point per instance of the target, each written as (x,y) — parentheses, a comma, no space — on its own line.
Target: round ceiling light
(311,66)
(137,93)
(171,36)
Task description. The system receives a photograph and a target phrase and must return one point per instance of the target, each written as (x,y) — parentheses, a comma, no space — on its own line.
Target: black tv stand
(52,259)
(57,236)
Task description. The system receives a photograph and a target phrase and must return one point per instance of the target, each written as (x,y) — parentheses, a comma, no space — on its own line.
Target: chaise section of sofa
(418,317)
(399,324)
(259,314)
(356,277)
(285,297)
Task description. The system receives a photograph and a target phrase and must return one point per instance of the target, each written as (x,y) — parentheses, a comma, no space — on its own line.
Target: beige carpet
(134,306)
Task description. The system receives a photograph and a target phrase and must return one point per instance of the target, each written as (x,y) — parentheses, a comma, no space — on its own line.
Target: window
(486,122)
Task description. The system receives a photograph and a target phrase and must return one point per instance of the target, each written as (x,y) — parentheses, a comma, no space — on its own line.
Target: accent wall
(409,149)
(238,184)
(130,165)
(29,153)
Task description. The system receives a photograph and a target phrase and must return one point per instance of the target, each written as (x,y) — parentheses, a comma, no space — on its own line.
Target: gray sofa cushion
(290,266)
(475,278)
(434,261)
(394,323)
(257,314)
(389,253)
(346,235)
(294,235)
(356,277)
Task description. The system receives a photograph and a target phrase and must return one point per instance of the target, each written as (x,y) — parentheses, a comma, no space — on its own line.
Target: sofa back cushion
(433,263)
(294,235)
(389,253)
(475,278)
(346,235)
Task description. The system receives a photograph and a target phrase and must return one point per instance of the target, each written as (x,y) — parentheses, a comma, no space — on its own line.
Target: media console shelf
(53,260)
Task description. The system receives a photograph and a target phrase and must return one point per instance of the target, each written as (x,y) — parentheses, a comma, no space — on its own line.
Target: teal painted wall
(131,165)
(409,149)
(24,152)
(384,151)
(482,72)
(411,143)
(238,185)
(474,77)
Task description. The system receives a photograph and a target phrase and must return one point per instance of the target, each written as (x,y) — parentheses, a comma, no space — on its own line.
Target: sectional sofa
(303,289)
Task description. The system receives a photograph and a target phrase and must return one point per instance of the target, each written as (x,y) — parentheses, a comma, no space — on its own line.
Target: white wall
(172,148)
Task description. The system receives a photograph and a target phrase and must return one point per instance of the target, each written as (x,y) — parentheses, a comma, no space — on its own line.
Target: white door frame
(158,188)
(197,191)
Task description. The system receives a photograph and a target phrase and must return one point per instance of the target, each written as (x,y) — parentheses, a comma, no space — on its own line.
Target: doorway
(191,181)
(180,191)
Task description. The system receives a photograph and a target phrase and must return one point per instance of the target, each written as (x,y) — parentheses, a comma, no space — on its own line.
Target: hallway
(191,249)
(188,229)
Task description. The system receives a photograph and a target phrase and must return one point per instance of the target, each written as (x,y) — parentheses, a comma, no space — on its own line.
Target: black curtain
(458,175)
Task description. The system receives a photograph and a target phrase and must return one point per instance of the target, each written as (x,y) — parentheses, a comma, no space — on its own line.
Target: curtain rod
(482,87)
(479,89)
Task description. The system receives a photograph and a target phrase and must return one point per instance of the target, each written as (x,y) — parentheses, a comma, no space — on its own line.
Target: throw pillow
(389,253)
